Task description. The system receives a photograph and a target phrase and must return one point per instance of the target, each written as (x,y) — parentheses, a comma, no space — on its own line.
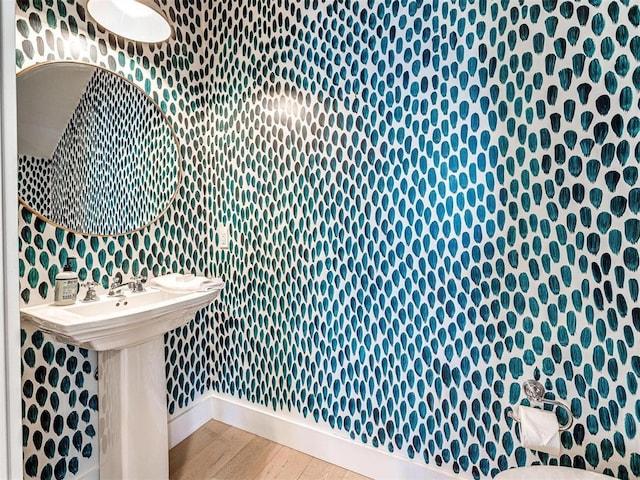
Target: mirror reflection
(95,154)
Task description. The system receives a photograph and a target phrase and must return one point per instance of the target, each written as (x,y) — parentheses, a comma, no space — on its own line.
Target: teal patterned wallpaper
(429,202)
(433,202)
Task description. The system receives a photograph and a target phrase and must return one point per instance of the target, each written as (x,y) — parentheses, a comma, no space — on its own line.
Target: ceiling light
(137,20)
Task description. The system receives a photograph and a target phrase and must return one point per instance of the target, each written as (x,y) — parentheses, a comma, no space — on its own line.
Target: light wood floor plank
(287,464)
(220,452)
(251,461)
(207,463)
(319,470)
(194,444)
(354,476)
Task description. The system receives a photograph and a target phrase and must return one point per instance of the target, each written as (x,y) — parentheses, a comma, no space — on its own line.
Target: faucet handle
(117,279)
(136,283)
(91,295)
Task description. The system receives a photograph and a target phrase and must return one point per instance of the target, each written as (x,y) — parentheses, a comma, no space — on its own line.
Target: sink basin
(114,323)
(119,305)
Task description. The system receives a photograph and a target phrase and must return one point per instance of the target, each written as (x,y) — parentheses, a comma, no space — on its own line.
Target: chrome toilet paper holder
(534,392)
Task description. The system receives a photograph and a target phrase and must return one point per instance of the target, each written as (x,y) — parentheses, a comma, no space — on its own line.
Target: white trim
(10,391)
(295,432)
(93,474)
(190,419)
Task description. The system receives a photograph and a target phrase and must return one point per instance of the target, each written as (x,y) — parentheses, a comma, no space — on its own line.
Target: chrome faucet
(135,285)
(116,285)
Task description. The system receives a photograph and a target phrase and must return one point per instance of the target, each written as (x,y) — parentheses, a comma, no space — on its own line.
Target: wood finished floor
(218,451)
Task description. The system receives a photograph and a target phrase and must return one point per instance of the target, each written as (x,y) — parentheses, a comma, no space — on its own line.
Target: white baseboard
(293,431)
(190,419)
(93,474)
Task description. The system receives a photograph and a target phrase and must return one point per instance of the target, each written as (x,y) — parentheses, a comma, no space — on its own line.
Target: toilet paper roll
(539,430)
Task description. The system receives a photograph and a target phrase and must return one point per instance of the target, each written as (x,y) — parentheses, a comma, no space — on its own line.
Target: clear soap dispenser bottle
(66,286)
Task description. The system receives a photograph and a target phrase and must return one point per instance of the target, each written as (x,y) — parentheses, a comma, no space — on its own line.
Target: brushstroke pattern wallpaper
(429,203)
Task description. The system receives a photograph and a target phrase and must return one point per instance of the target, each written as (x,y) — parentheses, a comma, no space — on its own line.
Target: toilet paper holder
(534,392)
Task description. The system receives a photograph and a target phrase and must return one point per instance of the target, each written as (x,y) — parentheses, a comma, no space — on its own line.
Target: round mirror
(95,154)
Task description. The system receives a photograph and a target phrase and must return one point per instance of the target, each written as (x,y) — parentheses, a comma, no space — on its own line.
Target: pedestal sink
(128,335)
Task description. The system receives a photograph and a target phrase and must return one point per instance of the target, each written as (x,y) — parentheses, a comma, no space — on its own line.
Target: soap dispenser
(66,286)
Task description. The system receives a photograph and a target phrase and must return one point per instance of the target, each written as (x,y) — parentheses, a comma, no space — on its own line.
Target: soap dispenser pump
(66,286)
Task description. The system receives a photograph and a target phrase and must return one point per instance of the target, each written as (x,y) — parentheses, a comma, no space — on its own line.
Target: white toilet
(543,472)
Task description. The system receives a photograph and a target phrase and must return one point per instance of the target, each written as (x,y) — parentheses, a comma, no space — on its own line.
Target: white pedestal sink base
(128,335)
(134,439)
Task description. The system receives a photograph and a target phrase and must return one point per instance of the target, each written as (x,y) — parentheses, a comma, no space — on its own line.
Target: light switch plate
(223,236)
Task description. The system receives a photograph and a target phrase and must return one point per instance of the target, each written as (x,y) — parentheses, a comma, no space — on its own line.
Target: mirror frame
(164,117)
